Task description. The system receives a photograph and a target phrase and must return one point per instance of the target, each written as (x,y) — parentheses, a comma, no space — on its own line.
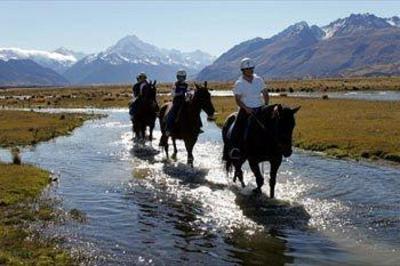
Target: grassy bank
(119,95)
(26,128)
(341,128)
(20,186)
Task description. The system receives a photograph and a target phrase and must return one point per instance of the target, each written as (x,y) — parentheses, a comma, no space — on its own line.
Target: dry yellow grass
(120,95)
(25,128)
(343,128)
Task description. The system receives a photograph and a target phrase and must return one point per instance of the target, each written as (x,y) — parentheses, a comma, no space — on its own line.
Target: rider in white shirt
(250,95)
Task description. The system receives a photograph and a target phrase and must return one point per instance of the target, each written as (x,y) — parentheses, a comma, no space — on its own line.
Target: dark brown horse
(188,124)
(146,112)
(268,137)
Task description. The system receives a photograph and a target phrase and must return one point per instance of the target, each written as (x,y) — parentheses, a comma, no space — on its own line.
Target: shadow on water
(144,152)
(185,174)
(260,248)
(271,213)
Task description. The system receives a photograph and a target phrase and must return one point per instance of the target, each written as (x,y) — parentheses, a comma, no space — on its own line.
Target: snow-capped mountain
(54,60)
(121,62)
(68,52)
(394,21)
(357,22)
(359,43)
(131,49)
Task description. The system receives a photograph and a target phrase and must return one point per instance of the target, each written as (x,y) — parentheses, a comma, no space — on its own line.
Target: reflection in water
(141,209)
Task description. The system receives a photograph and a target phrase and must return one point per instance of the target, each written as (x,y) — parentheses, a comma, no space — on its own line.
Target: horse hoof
(243,184)
(173,157)
(234,179)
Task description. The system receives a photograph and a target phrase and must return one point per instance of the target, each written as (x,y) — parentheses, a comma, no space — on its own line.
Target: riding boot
(237,135)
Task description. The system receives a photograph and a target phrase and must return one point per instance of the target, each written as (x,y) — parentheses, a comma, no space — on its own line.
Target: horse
(268,137)
(188,123)
(146,113)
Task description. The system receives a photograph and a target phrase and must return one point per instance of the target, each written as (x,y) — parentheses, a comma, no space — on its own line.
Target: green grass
(20,245)
(20,186)
(341,128)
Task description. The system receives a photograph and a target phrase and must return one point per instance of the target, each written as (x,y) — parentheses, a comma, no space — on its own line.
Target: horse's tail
(225,154)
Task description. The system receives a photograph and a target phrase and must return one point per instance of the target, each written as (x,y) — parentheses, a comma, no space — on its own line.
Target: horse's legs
(166,146)
(175,149)
(189,144)
(274,170)
(238,172)
(151,133)
(143,133)
(256,171)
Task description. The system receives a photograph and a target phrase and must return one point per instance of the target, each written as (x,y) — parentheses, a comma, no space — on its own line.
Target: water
(356,95)
(143,210)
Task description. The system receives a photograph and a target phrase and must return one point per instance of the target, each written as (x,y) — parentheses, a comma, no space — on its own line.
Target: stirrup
(234,154)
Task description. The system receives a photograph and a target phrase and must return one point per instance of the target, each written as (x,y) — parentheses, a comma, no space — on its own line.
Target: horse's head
(203,97)
(150,92)
(284,120)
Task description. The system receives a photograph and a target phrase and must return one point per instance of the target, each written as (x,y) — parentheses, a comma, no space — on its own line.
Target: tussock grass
(20,245)
(26,128)
(21,184)
(103,96)
(341,128)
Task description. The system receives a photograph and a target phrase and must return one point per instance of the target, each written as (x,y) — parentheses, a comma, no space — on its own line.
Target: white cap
(246,63)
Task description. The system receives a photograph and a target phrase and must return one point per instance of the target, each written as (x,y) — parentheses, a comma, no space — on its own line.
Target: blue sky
(212,26)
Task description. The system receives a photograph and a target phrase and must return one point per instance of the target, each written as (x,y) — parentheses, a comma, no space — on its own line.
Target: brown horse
(146,112)
(268,137)
(188,124)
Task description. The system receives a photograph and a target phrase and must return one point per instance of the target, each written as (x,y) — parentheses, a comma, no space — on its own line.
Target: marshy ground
(21,185)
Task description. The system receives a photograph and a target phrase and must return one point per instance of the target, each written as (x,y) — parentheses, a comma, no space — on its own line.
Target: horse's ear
(294,110)
(196,85)
(205,84)
(277,110)
(154,82)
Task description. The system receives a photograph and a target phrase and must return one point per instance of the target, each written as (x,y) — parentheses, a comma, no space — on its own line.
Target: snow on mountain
(131,49)
(68,52)
(394,21)
(357,22)
(53,60)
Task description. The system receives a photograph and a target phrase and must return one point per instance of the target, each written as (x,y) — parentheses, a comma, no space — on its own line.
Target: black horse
(146,112)
(268,137)
(188,124)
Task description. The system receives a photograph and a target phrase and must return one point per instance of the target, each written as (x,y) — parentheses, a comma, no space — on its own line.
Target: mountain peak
(355,23)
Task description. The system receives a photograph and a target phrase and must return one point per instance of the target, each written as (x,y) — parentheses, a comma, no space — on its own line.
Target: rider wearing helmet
(247,90)
(141,84)
(178,92)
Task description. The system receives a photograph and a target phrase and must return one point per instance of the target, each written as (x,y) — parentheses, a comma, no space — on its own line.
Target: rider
(138,89)
(247,90)
(178,93)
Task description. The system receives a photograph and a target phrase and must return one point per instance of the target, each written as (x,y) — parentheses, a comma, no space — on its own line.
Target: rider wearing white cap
(250,94)
(178,93)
